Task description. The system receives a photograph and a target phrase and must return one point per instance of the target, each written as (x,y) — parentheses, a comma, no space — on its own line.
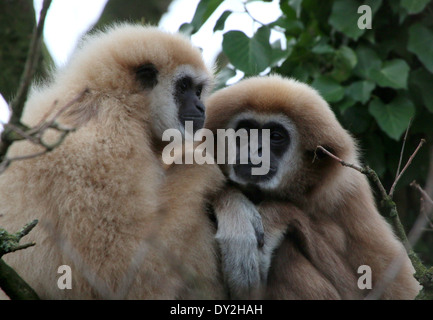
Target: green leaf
(292,27)
(414,6)
(186,28)
(368,62)
(344,104)
(343,62)
(251,56)
(344,16)
(278,54)
(392,118)
(294,4)
(348,56)
(300,73)
(219,25)
(421,44)
(420,82)
(393,74)
(204,10)
(357,119)
(322,48)
(360,91)
(330,89)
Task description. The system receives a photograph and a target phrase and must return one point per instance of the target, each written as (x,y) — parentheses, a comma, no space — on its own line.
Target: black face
(188,95)
(279,143)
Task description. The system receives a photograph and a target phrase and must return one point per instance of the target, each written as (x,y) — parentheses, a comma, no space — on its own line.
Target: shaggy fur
(327,211)
(128,226)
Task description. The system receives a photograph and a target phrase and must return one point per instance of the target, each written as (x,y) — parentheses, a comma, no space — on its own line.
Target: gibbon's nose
(199,105)
(255,152)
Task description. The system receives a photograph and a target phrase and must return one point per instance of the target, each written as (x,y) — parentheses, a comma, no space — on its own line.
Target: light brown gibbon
(129,226)
(319,218)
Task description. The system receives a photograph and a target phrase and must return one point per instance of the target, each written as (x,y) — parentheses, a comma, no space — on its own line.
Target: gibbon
(128,225)
(319,218)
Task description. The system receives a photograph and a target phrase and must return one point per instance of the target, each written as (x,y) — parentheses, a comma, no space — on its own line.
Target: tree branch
(421,272)
(17,104)
(13,285)
(10,282)
(34,135)
(391,191)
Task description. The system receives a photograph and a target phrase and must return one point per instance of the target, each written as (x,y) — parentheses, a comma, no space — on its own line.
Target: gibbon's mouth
(198,121)
(191,117)
(244,171)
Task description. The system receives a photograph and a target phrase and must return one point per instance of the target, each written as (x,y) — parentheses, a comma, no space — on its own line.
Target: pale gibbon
(319,218)
(129,226)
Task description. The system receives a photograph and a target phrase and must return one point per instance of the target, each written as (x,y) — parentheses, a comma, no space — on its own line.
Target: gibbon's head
(151,75)
(298,120)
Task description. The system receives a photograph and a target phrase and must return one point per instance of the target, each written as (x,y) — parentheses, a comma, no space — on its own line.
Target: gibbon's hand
(240,237)
(257,223)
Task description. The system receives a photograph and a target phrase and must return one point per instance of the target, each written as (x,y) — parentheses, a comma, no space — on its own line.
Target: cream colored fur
(327,211)
(128,226)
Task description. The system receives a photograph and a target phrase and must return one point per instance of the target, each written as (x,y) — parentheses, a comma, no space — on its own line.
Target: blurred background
(378,80)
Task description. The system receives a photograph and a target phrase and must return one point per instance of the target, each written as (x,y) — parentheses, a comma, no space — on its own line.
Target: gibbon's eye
(198,91)
(184,84)
(147,75)
(276,136)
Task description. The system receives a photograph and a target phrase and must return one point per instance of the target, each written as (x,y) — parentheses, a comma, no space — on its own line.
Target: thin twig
(49,124)
(402,149)
(35,134)
(413,237)
(391,191)
(366,170)
(17,104)
(422,191)
(10,242)
(393,268)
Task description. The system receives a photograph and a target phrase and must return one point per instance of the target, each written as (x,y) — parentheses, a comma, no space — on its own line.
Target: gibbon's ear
(147,75)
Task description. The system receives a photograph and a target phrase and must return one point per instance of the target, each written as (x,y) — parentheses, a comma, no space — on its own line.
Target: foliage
(16,27)
(376,80)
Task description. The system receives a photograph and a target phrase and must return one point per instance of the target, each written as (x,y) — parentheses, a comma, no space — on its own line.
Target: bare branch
(421,190)
(364,170)
(10,242)
(395,265)
(35,134)
(391,191)
(402,149)
(17,104)
(13,285)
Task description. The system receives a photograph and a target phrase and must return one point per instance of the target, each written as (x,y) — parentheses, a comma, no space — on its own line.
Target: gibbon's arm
(240,238)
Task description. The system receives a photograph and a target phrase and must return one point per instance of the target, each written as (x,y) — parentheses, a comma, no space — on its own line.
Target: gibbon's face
(280,143)
(298,120)
(175,98)
(159,78)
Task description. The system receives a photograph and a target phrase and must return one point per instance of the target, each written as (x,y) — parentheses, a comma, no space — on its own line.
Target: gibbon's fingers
(240,231)
(257,223)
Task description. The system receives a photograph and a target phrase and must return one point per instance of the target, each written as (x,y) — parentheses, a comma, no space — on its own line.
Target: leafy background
(377,81)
